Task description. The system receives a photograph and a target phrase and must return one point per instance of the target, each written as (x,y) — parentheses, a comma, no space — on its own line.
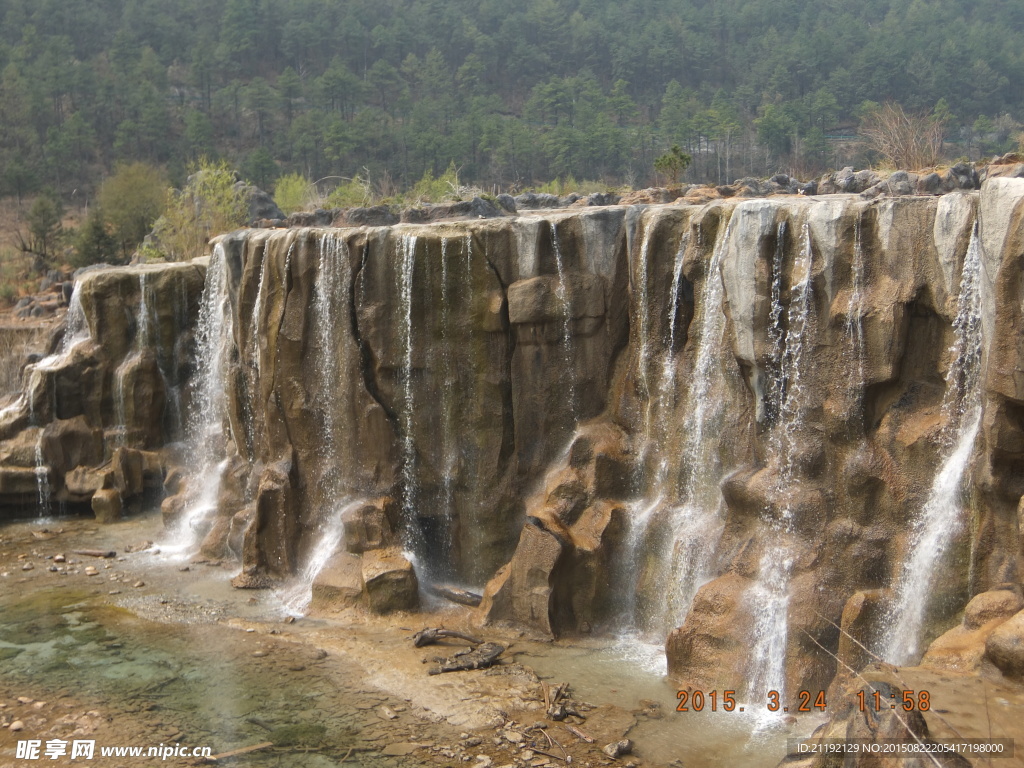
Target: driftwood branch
(431,636)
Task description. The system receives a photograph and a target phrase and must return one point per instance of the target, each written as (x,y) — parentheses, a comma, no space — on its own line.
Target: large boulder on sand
(1005,647)
(389,581)
(339,584)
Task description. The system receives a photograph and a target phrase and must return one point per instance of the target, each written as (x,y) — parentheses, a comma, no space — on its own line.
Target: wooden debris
(240,751)
(480,657)
(431,636)
(456,594)
(577,732)
(105,553)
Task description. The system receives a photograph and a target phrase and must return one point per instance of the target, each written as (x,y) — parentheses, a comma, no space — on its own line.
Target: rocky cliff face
(94,412)
(736,425)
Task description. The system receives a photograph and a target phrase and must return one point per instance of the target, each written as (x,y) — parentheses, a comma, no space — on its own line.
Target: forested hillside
(513,93)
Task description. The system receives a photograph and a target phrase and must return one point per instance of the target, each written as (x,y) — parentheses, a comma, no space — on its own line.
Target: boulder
(71,443)
(339,584)
(106,505)
(1005,647)
(83,482)
(521,591)
(389,581)
(368,525)
(20,481)
(996,604)
(129,471)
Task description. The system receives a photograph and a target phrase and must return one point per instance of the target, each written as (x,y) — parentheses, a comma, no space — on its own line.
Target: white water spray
(941,518)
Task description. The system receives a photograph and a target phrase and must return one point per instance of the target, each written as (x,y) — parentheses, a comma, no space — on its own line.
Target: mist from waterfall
(941,518)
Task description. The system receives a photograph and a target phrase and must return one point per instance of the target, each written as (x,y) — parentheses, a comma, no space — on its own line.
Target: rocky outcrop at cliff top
(709,421)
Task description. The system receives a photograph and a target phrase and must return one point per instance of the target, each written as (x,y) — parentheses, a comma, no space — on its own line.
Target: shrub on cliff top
(209,204)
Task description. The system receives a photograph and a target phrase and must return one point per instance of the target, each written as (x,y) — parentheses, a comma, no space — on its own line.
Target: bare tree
(909,140)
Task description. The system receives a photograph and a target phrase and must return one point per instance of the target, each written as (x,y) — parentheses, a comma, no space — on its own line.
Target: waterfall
(684,554)
(644,510)
(142,338)
(330,291)
(450,385)
(412,536)
(855,318)
(769,597)
(643,312)
(941,518)
(565,302)
(696,523)
(207,418)
(42,479)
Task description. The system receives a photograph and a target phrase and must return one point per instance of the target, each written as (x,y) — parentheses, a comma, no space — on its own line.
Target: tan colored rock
(369,525)
(129,467)
(339,584)
(106,505)
(1005,647)
(85,481)
(998,604)
(389,581)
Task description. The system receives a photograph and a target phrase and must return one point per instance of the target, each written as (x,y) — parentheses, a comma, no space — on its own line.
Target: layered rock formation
(94,412)
(734,425)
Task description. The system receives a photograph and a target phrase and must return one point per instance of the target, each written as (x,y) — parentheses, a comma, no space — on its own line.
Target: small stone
(250,629)
(474,741)
(618,748)
(53,569)
(138,584)
(17,725)
(27,567)
(289,620)
(184,568)
(483,761)
(59,558)
(38,705)
(114,592)
(25,700)
(91,571)
(259,654)
(514,736)
(387,713)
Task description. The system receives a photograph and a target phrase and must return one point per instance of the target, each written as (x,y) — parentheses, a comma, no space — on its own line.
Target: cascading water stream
(854,318)
(412,536)
(696,523)
(331,363)
(42,479)
(565,302)
(76,331)
(207,418)
(941,518)
(769,597)
(644,509)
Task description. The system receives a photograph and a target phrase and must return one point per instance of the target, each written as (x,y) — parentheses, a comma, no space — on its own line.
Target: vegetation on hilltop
(513,94)
(372,97)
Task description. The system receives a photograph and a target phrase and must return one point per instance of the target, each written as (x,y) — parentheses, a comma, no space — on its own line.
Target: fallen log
(456,594)
(431,636)
(480,657)
(106,553)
